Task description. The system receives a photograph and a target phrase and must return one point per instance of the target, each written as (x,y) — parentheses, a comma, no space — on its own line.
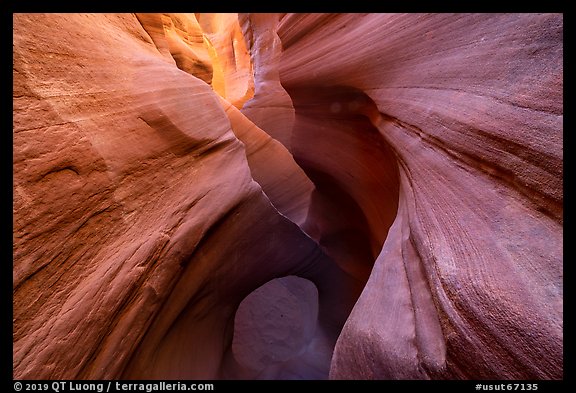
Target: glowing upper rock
(169,167)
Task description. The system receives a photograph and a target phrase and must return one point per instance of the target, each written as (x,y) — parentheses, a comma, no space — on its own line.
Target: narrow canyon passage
(287,196)
(356,194)
(345,216)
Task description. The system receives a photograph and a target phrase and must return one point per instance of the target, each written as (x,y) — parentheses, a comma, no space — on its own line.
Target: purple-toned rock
(288,196)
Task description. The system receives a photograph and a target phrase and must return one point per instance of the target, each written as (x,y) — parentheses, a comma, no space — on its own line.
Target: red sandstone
(177,176)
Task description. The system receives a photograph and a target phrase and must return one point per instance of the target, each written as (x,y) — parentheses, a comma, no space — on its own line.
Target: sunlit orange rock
(288,196)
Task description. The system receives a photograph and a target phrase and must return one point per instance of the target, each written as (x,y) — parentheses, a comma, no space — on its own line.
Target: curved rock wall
(166,166)
(469,281)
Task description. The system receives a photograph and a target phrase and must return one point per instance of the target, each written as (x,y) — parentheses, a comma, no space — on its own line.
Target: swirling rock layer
(172,170)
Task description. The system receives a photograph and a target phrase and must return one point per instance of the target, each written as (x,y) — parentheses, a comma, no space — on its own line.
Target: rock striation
(288,196)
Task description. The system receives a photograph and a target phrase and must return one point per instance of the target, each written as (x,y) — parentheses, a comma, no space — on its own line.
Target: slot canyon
(287,196)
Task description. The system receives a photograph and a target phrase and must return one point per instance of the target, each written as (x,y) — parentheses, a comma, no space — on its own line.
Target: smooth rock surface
(138,229)
(271,107)
(177,176)
(273,167)
(469,281)
(275,325)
